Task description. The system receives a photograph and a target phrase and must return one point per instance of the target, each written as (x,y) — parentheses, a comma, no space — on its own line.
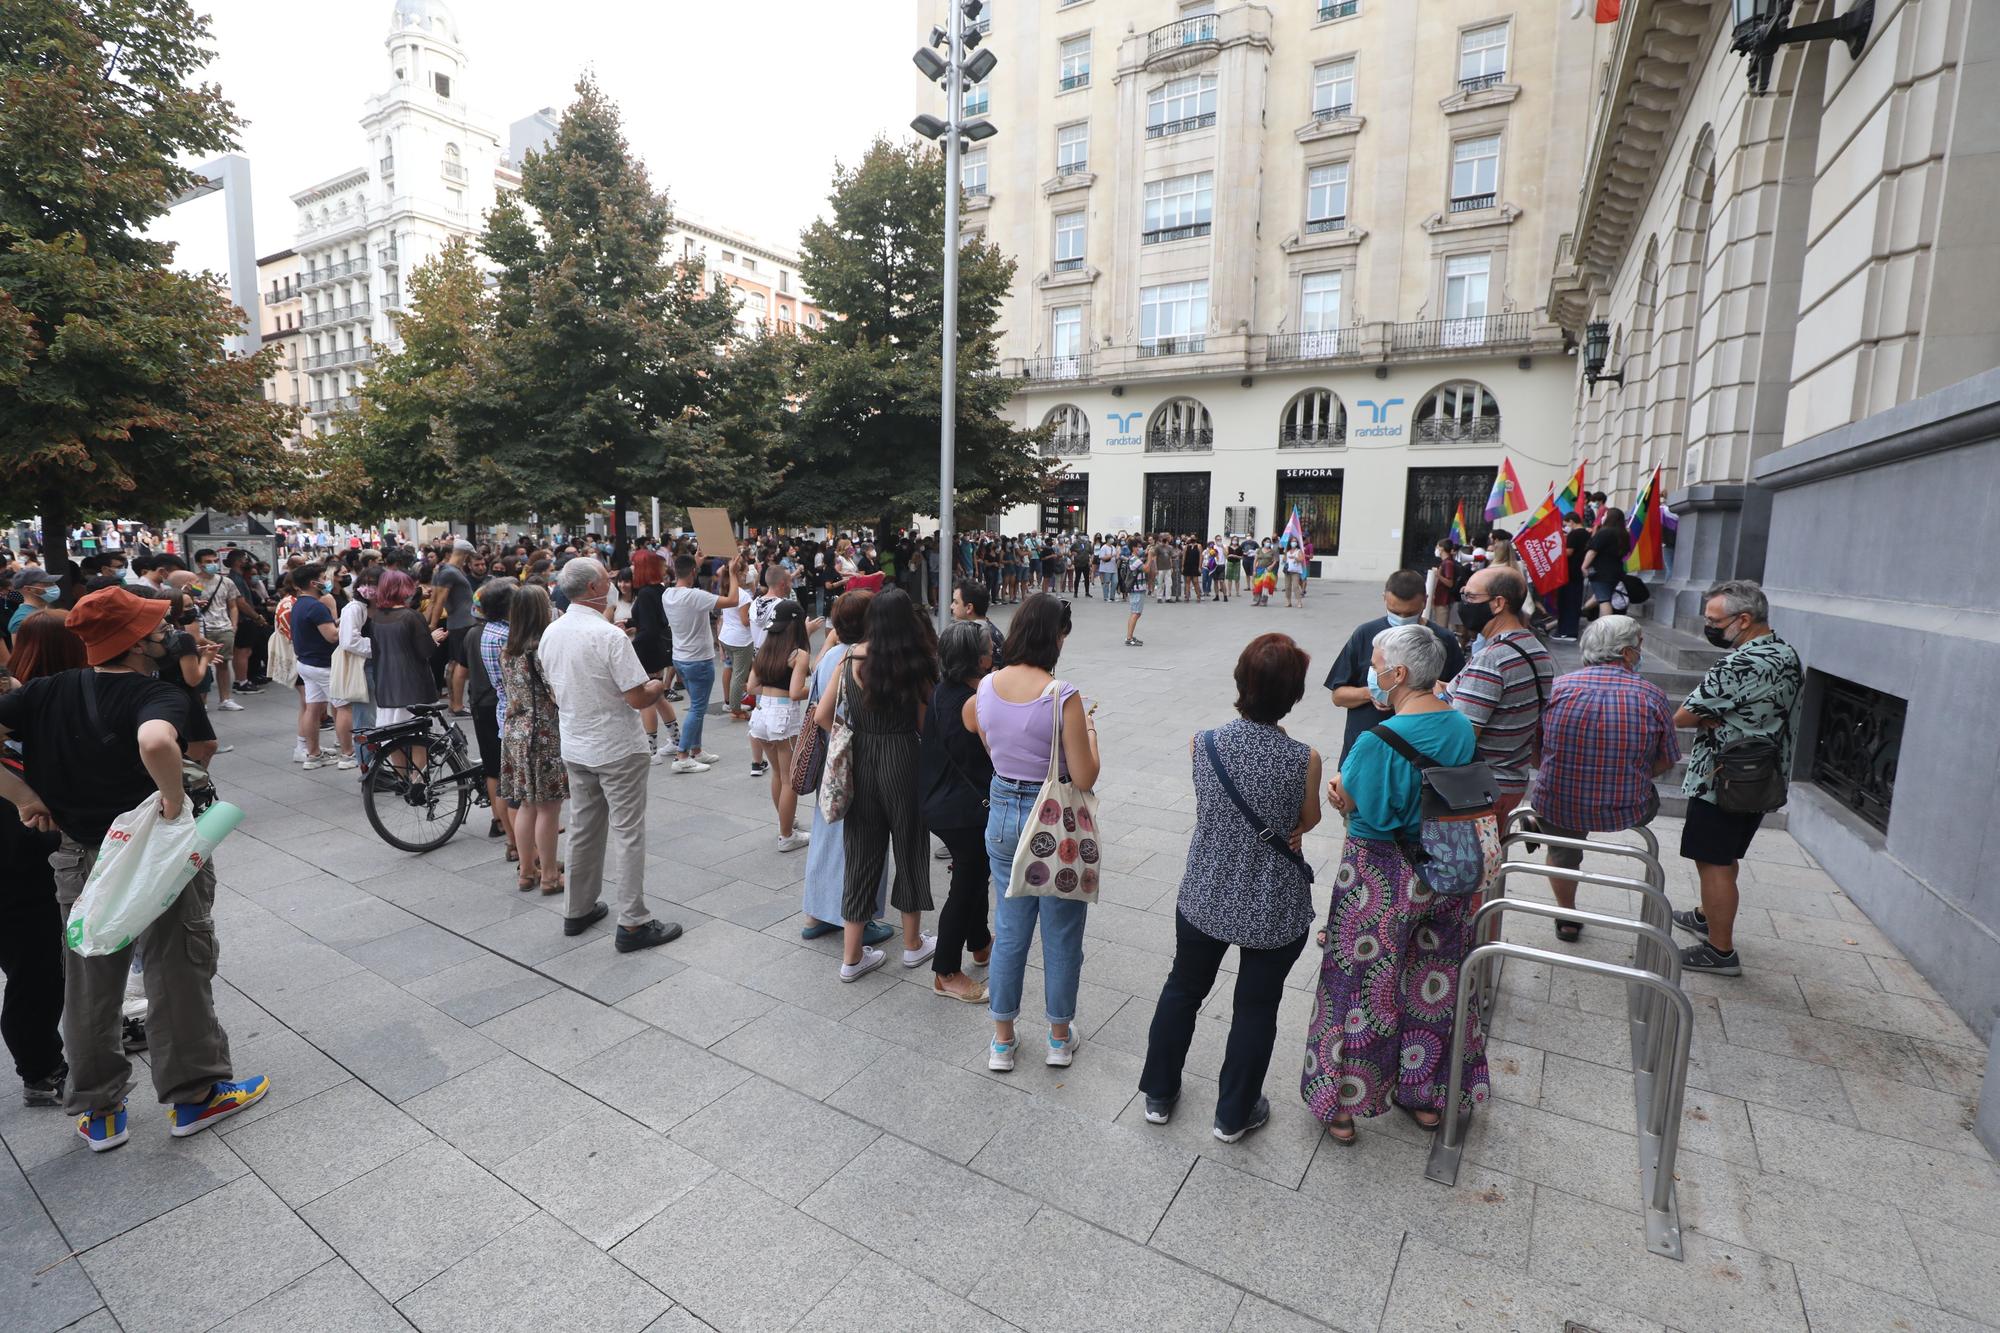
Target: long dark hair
(1035,635)
(773,663)
(1614,522)
(902,659)
(527,617)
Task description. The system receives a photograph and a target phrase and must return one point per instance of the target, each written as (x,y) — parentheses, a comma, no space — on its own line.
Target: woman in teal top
(1388,983)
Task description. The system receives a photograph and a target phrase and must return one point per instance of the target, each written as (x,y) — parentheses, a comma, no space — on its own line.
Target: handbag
(1749,778)
(349,678)
(836,791)
(1447,856)
(1277,841)
(1057,854)
(809,758)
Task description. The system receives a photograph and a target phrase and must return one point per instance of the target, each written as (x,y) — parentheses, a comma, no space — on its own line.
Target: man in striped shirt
(1505,681)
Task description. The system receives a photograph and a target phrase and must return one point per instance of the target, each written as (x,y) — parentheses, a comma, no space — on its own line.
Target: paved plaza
(476,1123)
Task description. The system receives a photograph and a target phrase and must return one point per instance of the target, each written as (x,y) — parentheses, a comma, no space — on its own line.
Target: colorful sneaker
(102,1130)
(1000,1057)
(1061,1052)
(224,1100)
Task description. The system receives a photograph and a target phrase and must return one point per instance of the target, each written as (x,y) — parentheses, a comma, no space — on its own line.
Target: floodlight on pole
(929,126)
(929,63)
(977,68)
(977,130)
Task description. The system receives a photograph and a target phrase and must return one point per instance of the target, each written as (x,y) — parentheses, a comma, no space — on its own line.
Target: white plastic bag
(144,863)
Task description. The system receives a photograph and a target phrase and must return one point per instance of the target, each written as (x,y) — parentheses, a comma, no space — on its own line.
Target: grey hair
(1414,647)
(1606,639)
(575,578)
(1739,596)
(961,648)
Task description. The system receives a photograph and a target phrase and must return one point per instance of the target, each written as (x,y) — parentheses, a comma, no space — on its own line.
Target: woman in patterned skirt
(531,766)
(1388,984)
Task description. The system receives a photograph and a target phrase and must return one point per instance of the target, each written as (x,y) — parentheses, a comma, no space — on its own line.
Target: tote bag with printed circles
(1058,853)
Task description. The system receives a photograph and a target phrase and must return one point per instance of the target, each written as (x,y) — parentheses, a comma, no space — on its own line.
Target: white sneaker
(793,841)
(661,756)
(926,946)
(1000,1057)
(347,761)
(315,761)
(704,757)
(689,766)
(870,960)
(230,706)
(943,853)
(1062,1052)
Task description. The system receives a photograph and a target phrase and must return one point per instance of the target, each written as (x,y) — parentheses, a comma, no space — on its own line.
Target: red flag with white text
(1540,550)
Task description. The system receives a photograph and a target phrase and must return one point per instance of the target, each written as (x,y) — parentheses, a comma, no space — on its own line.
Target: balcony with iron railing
(280,297)
(1064,444)
(1313,435)
(326,406)
(1080,167)
(1050,369)
(1338,9)
(1450,430)
(1184,345)
(319,277)
(1069,265)
(1170,37)
(452,171)
(1180,440)
(1315,345)
(1479,83)
(1339,111)
(1315,226)
(1472,203)
(1071,82)
(1168,128)
(975,189)
(362,354)
(315,319)
(1161,235)
(1512,329)
(387,256)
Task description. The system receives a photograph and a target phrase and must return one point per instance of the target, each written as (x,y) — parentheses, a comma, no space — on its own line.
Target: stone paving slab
(479,1123)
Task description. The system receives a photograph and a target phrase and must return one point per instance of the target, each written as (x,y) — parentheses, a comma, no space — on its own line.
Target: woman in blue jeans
(1014,717)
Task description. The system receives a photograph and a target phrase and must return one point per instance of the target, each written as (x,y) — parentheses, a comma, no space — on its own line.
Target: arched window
(1315,419)
(1180,426)
(1461,412)
(1069,432)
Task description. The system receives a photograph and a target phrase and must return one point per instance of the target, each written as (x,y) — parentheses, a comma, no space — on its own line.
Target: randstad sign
(1124,431)
(1379,417)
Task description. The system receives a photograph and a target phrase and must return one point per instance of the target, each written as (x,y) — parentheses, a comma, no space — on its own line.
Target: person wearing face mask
(1351,678)
(40,591)
(1506,679)
(216,597)
(1750,695)
(1606,734)
(96,743)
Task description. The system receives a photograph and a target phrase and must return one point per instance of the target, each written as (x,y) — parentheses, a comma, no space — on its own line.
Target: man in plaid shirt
(1606,734)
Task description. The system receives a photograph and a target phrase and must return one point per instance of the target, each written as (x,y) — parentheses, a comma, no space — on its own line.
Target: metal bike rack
(1654,908)
(1659,1116)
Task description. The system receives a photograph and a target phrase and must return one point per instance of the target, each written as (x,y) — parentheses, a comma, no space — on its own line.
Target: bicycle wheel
(417,806)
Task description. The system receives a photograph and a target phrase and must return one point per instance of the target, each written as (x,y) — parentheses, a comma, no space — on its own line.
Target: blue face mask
(51,591)
(1377,693)
(1395,619)
(211,568)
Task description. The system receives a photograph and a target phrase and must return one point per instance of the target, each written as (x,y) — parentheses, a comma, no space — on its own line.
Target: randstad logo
(1380,414)
(1123,429)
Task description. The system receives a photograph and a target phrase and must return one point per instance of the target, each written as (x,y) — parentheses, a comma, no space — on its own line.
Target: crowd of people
(580,672)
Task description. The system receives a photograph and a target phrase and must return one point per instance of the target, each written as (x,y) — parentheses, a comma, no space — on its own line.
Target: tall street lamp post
(955,68)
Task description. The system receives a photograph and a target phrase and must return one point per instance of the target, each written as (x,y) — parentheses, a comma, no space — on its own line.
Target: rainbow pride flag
(1457,532)
(1506,497)
(1571,495)
(1651,522)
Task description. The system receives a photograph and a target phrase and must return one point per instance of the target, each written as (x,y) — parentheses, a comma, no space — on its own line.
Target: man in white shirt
(600,688)
(688,609)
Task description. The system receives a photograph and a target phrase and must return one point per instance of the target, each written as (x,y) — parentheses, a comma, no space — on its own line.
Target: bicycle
(420,782)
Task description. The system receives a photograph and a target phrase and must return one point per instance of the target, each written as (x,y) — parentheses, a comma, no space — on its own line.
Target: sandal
(1416,1114)
(1341,1130)
(513,854)
(1569,931)
(977,995)
(526,882)
(551,890)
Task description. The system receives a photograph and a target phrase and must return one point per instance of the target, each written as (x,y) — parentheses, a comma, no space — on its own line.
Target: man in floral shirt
(1749,694)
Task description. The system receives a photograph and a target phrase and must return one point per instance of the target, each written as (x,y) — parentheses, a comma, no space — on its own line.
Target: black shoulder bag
(1278,841)
(1446,856)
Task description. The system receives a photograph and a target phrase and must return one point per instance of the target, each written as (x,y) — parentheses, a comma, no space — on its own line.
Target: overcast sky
(740,109)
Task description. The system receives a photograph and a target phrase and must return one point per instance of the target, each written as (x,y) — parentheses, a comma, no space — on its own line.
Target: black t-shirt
(1351,668)
(85,780)
(1574,543)
(1611,548)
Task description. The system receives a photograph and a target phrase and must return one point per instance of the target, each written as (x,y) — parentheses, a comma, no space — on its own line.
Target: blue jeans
(1110,582)
(699,677)
(1014,919)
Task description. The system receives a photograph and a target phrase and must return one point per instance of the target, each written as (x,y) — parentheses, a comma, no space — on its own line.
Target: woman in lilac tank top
(1013,718)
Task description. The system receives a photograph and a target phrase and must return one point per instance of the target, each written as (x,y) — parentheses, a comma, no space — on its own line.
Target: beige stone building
(280,304)
(1283,253)
(1800,289)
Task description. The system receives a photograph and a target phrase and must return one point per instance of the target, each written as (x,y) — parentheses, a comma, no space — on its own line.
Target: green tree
(616,362)
(865,442)
(120,397)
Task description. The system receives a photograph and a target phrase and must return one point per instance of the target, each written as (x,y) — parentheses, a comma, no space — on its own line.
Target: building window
(1069,241)
(728,256)
(1463,412)
(1482,57)
(1179,207)
(750,263)
(1066,340)
(1333,89)
(1314,419)
(1181,104)
(1475,173)
(976,100)
(1319,309)
(1072,150)
(1180,425)
(1074,57)
(784,281)
(1326,197)
(442,82)
(1338,9)
(1173,318)
(1466,279)
(972,171)
(1069,432)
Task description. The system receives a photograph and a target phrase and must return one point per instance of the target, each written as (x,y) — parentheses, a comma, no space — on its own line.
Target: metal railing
(1183,32)
(1070,82)
(1076,168)
(323,406)
(1067,265)
(342,356)
(1319,435)
(1323,114)
(389,166)
(1472,203)
(1056,368)
(975,189)
(1167,128)
(314,319)
(1339,9)
(1317,225)
(452,171)
(1187,233)
(1316,345)
(978,106)
(387,254)
(1658,1012)
(1185,345)
(1481,82)
(1444,335)
(280,297)
(1066,446)
(1181,440)
(319,277)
